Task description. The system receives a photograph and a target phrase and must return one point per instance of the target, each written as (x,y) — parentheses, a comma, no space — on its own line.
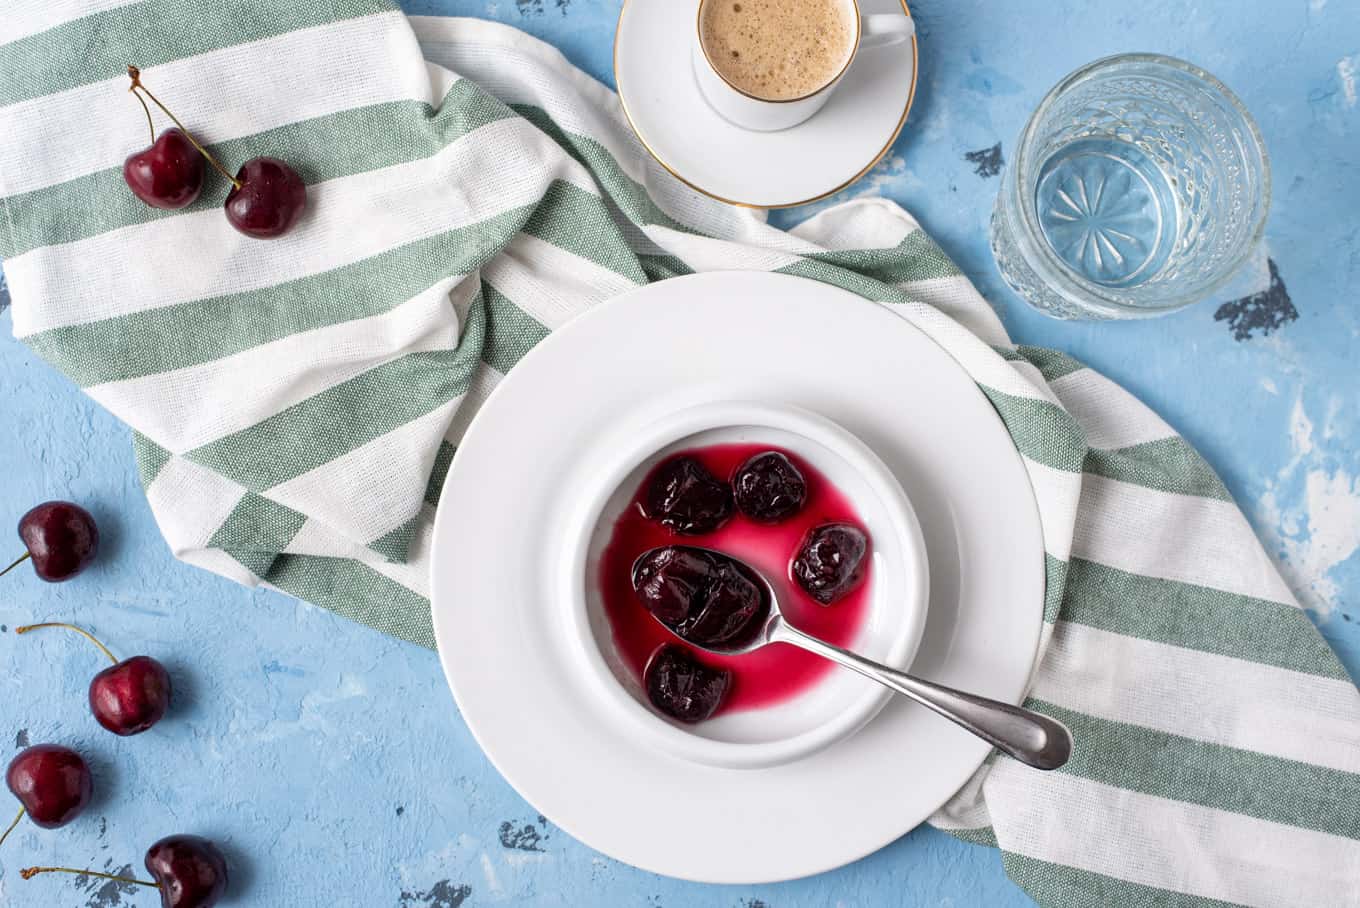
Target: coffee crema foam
(778,50)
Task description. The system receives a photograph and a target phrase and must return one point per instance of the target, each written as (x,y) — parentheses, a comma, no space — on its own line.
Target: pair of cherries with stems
(53,783)
(267,196)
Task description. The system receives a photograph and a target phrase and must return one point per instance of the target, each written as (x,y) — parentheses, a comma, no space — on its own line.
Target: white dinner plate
(816,158)
(499,616)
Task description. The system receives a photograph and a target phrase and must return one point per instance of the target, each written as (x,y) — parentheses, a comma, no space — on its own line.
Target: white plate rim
(442,630)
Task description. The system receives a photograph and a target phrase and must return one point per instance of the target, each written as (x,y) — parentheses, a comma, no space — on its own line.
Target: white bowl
(837,705)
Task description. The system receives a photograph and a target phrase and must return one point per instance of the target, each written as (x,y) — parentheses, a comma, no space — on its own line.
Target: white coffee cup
(764,115)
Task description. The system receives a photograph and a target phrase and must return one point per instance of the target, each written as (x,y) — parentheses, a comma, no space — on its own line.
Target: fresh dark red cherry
(190,872)
(703,597)
(53,784)
(768,488)
(60,537)
(169,174)
(830,562)
(683,496)
(128,697)
(682,687)
(267,196)
(267,200)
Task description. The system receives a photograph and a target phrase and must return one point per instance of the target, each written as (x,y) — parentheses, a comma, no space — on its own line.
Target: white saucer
(502,627)
(815,159)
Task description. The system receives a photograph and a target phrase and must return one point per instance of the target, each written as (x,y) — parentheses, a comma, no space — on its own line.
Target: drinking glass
(1138,187)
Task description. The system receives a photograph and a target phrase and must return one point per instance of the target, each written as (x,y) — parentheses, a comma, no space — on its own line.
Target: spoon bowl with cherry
(721,606)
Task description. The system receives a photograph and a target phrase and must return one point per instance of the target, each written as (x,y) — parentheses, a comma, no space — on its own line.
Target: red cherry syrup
(775,673)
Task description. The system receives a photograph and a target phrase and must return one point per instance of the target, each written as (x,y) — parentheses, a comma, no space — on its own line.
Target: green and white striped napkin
(296,402)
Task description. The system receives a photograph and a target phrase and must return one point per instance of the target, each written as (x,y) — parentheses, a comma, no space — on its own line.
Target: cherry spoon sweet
(1029,737)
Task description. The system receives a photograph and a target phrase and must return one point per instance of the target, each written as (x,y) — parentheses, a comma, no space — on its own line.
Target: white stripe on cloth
(219,562)
(31,17)
(550,284)
(356,493)
(1067,820)
(190,502)
(1203,696)
(1194,540)
(519,69)
(484,381)
(703,253)
(415,573)
(315,538)
(112,125)
(985,365)
(1034,380)
(1112,417)
(874,223)
(1056,492)
(956,298)
(968,808)
(253,385)
(858,224)
(468,181)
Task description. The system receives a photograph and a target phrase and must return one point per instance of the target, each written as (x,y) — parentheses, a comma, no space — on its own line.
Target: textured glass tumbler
(1138,187)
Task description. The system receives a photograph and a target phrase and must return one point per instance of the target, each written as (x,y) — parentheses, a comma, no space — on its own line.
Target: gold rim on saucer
(897,131)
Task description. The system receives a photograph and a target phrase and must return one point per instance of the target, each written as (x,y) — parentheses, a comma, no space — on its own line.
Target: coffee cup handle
(885,30)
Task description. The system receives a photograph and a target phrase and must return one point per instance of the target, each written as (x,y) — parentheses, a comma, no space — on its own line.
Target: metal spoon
(1031,738)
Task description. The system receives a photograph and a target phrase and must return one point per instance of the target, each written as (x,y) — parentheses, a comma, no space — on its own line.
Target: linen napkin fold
(295,403)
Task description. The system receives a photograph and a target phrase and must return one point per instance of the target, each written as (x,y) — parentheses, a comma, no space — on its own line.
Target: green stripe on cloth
(353,590)
(916,258)
(174,337)
(511,332)
(1052,364)
(334,422)
(1211,775)
(857,284)
(253,560)
(151,458)
(94,48)
(435,487)
(572,219)
(1060,886)
(396,545)
(323,148)
(1195,617)
(1167,464)
(625,192)
(661,267)
(1055,587)
(983,835)
(1041,431)
(256,523)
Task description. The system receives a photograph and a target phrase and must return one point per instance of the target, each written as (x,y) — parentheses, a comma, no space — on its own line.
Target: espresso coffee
(778,50)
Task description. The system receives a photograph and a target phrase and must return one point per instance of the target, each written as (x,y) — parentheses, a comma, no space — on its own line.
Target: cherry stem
(136,75)
(70,627)
(6,833)
(29,873)
(17,561)
(150,124)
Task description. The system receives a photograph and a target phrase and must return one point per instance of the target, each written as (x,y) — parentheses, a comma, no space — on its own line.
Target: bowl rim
(621,460)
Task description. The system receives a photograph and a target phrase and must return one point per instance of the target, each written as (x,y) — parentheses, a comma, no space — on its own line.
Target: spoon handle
(1031,738)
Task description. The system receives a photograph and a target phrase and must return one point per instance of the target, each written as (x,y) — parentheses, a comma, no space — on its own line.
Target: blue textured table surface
(330,760)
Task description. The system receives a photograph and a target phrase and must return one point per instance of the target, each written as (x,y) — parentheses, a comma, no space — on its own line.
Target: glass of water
(1138,187)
